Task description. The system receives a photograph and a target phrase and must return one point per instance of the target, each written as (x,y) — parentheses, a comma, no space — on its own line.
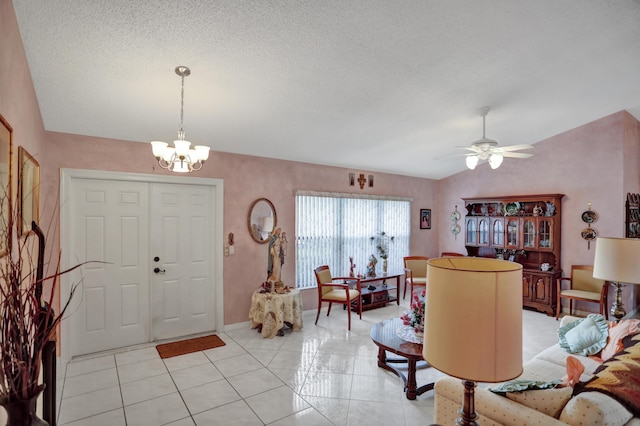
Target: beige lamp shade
(617,259)
(473,322)
(267,224)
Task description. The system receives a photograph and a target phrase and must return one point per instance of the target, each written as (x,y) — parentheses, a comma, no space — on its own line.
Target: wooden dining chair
(583,287)
(451,254)
(337,290)
(415,272)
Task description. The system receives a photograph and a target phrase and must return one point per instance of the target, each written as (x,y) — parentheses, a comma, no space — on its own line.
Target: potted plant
(26,322)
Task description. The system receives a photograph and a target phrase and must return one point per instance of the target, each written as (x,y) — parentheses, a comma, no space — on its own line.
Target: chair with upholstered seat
(337,290)
(415,272)
(583,287)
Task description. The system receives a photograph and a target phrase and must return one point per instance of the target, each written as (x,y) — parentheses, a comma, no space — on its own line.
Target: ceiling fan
(485,149)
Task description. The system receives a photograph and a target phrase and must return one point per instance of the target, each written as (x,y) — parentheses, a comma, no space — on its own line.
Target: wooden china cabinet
(524,229)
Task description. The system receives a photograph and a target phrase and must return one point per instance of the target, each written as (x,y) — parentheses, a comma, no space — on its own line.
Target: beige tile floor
(321,375)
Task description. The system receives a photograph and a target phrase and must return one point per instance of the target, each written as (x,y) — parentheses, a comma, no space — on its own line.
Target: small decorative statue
(381,241)
(551,209)
(371,266)
(352,267)
(277,252)
(537,210)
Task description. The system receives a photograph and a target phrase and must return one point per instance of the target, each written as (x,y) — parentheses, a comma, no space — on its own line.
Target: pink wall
(247,178)
(596,163)
(18,103)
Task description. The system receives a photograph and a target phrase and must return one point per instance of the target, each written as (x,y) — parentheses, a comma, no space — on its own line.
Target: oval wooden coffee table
(384,335)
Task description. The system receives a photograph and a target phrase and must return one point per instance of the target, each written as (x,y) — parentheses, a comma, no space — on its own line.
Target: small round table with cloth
(270,312)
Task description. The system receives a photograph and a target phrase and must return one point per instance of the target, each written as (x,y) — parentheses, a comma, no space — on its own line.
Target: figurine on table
(371,266)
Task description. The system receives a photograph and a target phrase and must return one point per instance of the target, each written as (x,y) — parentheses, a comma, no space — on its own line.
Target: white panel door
(110,224)
(182,291)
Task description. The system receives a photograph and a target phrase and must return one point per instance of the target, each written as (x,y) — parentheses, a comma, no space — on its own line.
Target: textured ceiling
(389,86)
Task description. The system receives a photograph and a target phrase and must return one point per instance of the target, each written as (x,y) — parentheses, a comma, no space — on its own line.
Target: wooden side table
(270,312)
(384,335)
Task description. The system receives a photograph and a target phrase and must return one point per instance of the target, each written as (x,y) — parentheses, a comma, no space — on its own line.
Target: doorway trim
(66,176)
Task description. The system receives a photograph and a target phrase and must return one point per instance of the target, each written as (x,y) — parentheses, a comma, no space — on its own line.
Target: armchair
(582,286)
(333,291)
(415,272)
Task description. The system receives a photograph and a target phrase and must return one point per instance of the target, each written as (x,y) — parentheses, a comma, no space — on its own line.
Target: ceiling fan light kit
(180,158)
(485,149)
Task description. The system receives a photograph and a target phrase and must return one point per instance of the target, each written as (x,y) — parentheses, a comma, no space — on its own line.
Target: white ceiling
(389,86)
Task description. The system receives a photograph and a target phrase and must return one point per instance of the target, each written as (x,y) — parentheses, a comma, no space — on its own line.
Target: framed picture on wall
(28,190)
(425,218)
(6,141)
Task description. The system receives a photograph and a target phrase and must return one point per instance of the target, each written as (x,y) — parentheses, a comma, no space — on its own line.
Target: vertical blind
(330,228)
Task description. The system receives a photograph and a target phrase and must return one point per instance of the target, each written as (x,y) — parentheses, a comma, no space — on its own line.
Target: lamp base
(617,310)
(468,413)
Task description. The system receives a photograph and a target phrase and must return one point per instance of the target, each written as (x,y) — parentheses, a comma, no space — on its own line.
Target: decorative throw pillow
(618,376)
(547,401)
(586,336)
(574,371)
(617,332)
(519,385)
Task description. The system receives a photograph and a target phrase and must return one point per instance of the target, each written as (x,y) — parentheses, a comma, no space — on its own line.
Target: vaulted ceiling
(381,85)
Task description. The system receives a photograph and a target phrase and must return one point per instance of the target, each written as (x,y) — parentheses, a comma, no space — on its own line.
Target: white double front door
(155,275)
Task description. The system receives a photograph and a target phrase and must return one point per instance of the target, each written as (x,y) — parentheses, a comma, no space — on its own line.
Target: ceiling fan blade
(515,147)
(454,156)
(517,154)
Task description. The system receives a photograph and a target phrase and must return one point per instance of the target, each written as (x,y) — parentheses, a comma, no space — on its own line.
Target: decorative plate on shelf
(455,229)
(589,216)
(455,216)
(511,209)
(589,234)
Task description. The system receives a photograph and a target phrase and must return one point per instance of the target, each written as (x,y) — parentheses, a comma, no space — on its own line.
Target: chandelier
(180,158)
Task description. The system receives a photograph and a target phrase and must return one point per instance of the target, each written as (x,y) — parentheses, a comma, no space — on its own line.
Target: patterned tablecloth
(272,310)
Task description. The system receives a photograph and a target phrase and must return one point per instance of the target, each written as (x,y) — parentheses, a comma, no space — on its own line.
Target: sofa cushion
(594,408)
(555,355)
(584,337)
(547,401)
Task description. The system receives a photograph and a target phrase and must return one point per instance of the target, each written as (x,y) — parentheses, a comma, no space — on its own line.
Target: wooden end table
(384,335)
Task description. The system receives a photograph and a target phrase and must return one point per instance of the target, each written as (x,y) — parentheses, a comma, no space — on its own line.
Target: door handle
(159,271)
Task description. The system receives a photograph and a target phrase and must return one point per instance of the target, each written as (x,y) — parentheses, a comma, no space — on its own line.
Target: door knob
(159,271)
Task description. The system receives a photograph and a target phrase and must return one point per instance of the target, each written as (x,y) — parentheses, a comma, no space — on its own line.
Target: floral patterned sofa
(547,407)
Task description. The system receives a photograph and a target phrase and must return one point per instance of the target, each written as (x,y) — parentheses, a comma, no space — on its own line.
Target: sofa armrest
(492,409)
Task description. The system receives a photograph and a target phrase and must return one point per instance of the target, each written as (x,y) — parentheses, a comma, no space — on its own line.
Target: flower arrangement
(415,317)
(382,240)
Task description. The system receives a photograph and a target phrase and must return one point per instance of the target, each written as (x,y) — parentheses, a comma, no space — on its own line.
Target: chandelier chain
(181,132)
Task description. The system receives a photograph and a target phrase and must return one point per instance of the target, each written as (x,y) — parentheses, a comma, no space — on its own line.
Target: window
(331,227)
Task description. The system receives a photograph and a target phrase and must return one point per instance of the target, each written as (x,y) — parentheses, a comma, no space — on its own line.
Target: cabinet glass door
(483,232)
(472,231)
(497,232)
(546,237)
(528,233)
(512,233)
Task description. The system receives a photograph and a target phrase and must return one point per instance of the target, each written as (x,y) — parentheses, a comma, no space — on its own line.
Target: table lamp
(473,322)
(617,260)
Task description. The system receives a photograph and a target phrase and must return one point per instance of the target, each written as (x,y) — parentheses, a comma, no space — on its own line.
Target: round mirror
(261,220)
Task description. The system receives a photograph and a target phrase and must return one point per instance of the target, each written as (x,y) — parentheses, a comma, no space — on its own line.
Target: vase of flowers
(382,241)
(414,318)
